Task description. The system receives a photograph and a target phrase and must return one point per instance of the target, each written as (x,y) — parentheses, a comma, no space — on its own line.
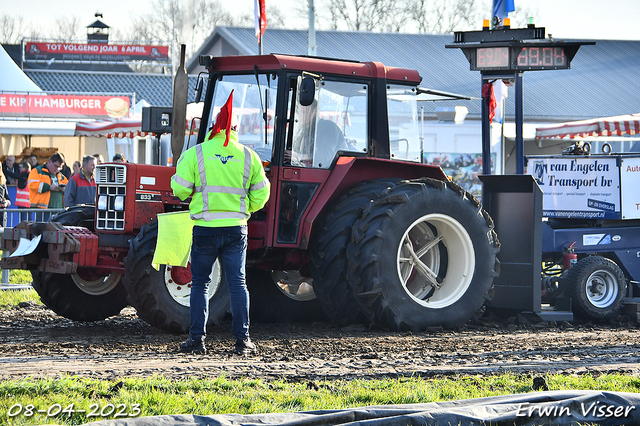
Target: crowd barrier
(12,217)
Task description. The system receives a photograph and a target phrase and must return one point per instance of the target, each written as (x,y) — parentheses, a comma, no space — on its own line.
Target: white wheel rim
(293,285)
(424,248)
(102,285)
(601,289)
(181,292)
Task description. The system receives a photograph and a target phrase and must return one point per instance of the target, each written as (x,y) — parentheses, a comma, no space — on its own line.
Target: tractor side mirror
(199,86)
(307,91)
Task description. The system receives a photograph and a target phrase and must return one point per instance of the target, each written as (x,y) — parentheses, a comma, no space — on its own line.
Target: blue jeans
(231,249)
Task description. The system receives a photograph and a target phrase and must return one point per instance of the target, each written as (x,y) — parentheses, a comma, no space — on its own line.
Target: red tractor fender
(348,172)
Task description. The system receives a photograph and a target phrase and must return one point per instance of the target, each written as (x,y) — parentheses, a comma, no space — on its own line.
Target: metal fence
(12,217)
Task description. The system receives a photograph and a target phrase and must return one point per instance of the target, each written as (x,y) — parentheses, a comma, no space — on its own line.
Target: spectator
(119,158)
(76,167)
(99,158)
(22,191)
(33,161)
(46,186)
(11,170)
(4,193)
(65,170)
(82,186)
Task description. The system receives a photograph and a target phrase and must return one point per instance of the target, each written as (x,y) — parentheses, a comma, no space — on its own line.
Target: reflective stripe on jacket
(39,187)
(22,197)
(227,183)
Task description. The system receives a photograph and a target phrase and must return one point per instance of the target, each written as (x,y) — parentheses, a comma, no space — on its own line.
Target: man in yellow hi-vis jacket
(228,183)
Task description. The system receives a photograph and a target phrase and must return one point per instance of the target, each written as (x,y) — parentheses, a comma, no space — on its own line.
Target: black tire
(73,296)
(596,286)
(454,240)
(270,304)
(327,252)
(149,293)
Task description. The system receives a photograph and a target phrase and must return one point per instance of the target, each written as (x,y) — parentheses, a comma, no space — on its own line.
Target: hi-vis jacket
(227,183)
(40,179)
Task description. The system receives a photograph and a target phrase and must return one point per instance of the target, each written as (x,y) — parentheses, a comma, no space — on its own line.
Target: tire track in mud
(35,342)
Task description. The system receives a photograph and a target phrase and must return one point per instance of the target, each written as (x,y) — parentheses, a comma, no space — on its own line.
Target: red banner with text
(63,106)
(44,51)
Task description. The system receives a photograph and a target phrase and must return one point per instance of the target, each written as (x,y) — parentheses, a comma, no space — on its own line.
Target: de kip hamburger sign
(63,106)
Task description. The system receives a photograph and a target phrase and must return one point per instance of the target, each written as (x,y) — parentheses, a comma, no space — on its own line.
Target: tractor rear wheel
(423,255)
(162,297)
(327,251)
(83,296)
(596,286)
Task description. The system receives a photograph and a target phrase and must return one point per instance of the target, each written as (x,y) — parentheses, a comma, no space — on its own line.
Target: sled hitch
(61,249)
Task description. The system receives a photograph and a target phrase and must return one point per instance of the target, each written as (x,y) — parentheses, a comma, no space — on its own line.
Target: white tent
(12,79)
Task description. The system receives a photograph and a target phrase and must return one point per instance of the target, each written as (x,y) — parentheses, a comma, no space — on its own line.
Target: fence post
(5,272)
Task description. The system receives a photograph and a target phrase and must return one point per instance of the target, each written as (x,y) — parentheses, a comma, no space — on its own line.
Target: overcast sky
(613,19)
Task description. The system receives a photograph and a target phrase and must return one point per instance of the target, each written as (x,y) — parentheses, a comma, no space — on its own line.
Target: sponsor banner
(41,51)
(629,184)
(64,106)
(578,187)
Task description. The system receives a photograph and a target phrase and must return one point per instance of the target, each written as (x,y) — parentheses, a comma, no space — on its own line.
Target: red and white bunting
(621,125)
(122,128)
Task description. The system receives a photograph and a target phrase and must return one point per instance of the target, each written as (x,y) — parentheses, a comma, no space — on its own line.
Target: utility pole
(311,49)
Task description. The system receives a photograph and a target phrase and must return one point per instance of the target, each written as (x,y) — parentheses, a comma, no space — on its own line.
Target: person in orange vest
(46,186)
(22,192)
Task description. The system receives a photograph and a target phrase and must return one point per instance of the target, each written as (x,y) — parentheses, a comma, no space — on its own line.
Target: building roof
(602,80)
(154,88)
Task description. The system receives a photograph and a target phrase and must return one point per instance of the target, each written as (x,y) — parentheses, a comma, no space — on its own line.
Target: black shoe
(195,346)
(245,347)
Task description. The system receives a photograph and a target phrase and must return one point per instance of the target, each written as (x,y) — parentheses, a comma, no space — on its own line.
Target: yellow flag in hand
(173,246)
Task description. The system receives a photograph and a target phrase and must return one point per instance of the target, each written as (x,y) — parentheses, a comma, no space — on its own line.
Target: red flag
(224,120)
(261,18)
(487,92)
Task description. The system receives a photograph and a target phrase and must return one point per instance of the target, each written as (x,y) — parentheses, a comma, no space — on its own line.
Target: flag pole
(260,36)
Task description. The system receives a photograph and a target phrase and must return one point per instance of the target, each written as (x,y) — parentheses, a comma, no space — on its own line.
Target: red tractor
(355,222)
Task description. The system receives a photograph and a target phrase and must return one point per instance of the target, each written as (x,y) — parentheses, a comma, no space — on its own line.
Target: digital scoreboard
(520,58)
(517,50)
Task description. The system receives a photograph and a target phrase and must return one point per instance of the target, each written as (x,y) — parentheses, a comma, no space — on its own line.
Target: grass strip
(75,400)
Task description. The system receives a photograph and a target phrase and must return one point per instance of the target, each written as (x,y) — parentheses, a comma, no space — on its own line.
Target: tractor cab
(305,116)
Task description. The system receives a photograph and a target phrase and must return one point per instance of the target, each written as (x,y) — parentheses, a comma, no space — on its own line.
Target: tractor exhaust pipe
(179,116)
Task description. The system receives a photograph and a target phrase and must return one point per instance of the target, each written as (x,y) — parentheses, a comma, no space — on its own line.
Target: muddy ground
(36,342)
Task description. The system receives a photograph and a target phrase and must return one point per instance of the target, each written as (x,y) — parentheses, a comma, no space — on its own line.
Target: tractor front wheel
(83,296)
(161,297)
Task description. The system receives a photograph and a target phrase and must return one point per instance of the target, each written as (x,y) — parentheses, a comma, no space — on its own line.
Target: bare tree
(12,30)
(425,16)
(275,17)
(443,16)
(520,18)
(67,28)
(359,15)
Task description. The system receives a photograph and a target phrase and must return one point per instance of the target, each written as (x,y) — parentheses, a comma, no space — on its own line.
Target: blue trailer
(591,229)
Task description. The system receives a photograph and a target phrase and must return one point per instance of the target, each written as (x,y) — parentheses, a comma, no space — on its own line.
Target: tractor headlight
(119,203)
(102,202)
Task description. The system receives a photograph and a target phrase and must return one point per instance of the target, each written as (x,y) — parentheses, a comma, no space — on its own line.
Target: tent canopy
(621,125)
(12,79)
